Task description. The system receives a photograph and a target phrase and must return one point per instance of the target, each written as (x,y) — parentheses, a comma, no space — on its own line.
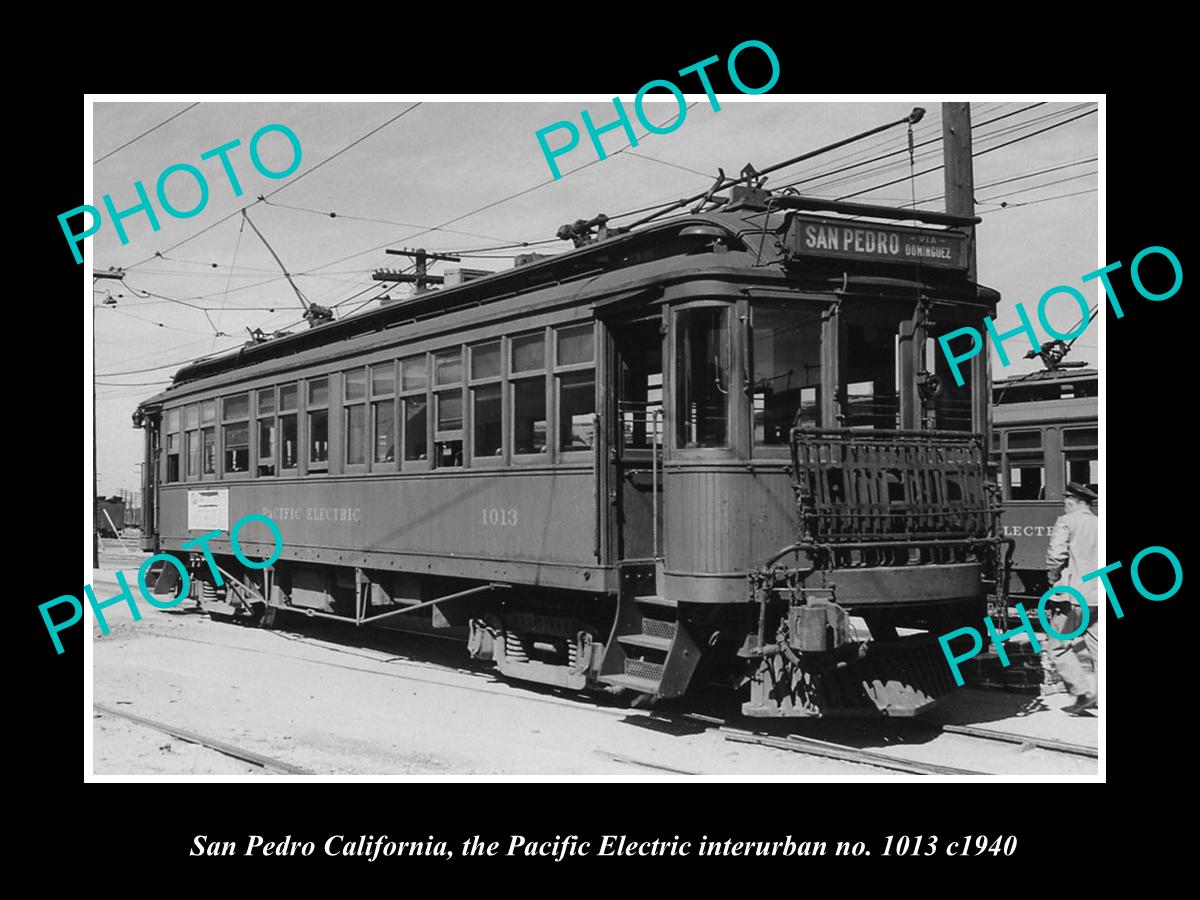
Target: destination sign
(819,236)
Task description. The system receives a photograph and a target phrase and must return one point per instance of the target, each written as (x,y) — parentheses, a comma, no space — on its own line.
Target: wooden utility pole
(960,201)
(422,276)
(960,171)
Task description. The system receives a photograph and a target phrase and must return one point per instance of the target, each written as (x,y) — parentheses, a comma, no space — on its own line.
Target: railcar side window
(448,410)
(527,370)
(575,378)
(355,391)
(318,424)
(171,442)
(266,431)
(1081,456)
(191,439)
(702,363)
(1026,466)
(208,437)
(414,379)
(235,417)
(383,411)
(786,389)
(486,420)
(289,441)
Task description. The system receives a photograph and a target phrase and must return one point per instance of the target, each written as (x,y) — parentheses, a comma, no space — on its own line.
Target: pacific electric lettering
(1100,574)
(659,83)
(201,543)
(1026,327)
(160,190)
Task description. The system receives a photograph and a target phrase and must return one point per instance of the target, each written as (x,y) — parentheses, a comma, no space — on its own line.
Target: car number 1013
(499,517)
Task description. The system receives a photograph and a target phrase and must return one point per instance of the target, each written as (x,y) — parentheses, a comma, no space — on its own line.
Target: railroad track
(844,753)
(266,762)
(486,682)
(1026,741)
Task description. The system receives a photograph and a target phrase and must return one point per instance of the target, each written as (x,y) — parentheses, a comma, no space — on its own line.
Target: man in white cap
(1071,555)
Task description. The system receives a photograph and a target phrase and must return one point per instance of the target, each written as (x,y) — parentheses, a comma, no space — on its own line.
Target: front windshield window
(786,386)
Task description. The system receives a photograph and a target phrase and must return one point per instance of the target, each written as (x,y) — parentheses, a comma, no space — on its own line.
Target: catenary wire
(144,133)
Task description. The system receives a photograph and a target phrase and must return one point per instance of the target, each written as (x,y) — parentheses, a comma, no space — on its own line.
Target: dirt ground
(340,701)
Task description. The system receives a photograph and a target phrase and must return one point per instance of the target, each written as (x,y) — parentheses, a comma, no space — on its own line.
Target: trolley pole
(960,201)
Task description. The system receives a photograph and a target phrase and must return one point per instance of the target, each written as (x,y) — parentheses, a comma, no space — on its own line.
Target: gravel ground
(335,700)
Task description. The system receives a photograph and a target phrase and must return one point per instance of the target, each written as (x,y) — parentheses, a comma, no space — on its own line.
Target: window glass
(287,398)
(787,370)
(356,434)
(288,440)
(236,407)
(448,454)
(575,345)
(485,360)
(385,431)
(414,374)
(383,379)
(208,440)
(870,335)
(172,420)
(702,363)
(951,402)
(192,451)
(576,410)
(415,420)
(318,392)
(1083,468)
(318,436)
(266,446)
(449,411)
(1024,440)
(356,384)
(1026,479)
(486,420)
(237,448)
(529,416)
(529,353)
(172,455)
(208,412)
(266,401)
(1080,437)
(191,417)
(447,367)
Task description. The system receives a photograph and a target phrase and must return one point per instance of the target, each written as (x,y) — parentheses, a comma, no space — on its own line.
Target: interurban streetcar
(1046,435)
(718,446)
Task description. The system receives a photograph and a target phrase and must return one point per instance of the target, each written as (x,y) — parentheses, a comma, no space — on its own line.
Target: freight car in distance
(693,449)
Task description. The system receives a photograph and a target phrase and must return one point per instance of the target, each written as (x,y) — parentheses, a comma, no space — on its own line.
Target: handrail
(657,444)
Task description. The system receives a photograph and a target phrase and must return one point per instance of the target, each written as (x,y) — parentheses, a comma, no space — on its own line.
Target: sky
(441,163)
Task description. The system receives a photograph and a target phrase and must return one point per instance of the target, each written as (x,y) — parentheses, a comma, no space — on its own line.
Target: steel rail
(191,737)
(845,753)
(1013,738)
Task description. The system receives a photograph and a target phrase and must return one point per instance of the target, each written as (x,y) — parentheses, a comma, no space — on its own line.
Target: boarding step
(656,600)
(648,641)
(641,668)
(633,683)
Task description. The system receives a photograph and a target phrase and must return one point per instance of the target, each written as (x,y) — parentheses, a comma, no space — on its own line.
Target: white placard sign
(208,510)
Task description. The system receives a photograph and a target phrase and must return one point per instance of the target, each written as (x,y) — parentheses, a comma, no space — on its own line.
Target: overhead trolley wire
(270,194)
(977,153)
(144,133)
